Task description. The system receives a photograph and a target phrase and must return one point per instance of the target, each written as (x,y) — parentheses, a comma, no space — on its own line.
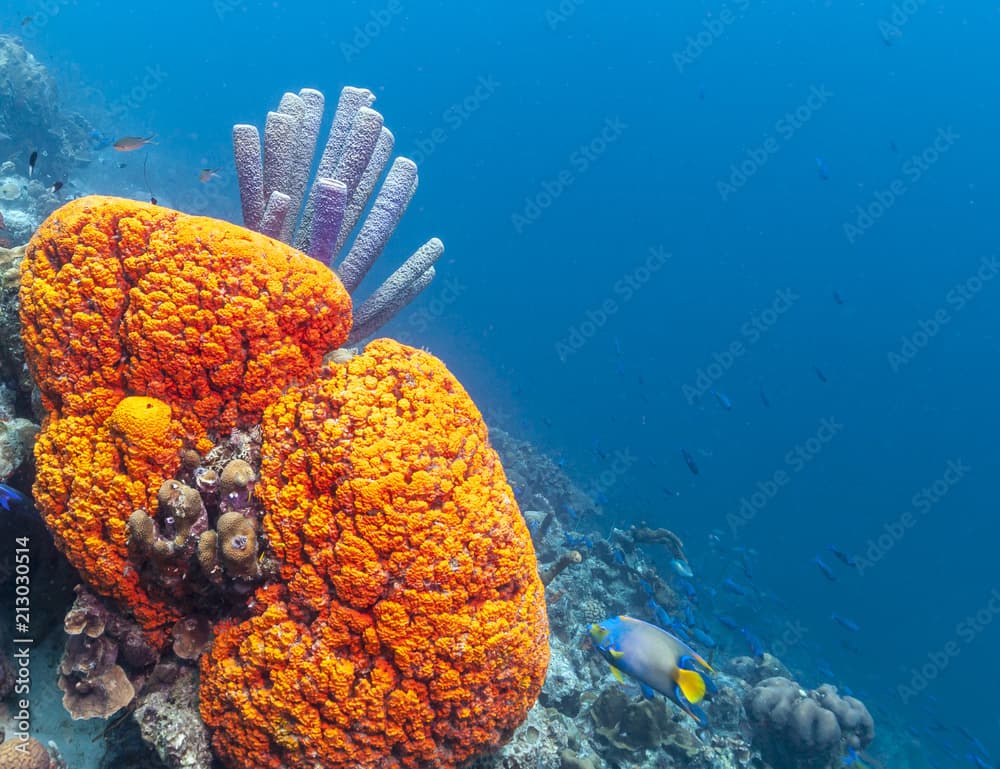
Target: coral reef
(273,184)
(32,121)
(796,729)
(411,626)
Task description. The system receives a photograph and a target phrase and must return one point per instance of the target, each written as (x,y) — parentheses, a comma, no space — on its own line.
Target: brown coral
(26,753)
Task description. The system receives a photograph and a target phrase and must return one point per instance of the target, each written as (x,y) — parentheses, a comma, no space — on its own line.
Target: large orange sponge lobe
(411,630)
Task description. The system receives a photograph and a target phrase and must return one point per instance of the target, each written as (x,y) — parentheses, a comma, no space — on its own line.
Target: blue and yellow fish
(657,660)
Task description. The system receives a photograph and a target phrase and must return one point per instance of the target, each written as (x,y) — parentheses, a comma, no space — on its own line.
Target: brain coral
(410,629)
(148,331)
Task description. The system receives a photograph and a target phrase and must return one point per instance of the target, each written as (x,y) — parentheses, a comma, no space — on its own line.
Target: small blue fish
(646,587)
(842,556)
(827,571)
(755,644)
(657,660)
(723,400)
(735,587)
(845,623)
(822,170)
(727,621)
(702,637)
(683,568)
(689,461)
(978,761)
(764,399)
(820,375)
(838,297)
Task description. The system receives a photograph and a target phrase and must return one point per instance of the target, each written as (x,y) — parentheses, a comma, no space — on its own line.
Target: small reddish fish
(207,174)
(129,143)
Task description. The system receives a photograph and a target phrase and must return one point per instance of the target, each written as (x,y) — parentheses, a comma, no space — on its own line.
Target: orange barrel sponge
(121,298)
(148,331)
(410,630)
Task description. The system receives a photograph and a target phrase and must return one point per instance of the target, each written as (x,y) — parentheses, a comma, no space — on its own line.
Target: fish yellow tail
(691,683)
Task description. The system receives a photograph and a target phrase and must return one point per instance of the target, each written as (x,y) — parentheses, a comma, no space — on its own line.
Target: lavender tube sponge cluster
(319,218)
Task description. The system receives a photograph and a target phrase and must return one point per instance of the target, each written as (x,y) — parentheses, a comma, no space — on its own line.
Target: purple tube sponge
(320,218)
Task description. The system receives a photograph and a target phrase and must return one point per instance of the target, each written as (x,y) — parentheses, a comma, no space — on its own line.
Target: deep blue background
(556,83)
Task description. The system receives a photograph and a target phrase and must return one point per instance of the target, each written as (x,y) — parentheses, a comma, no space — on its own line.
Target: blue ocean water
(789,204)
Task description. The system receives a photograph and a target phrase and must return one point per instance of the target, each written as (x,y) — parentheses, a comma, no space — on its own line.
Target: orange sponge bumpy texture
(146,331)
(410,630)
